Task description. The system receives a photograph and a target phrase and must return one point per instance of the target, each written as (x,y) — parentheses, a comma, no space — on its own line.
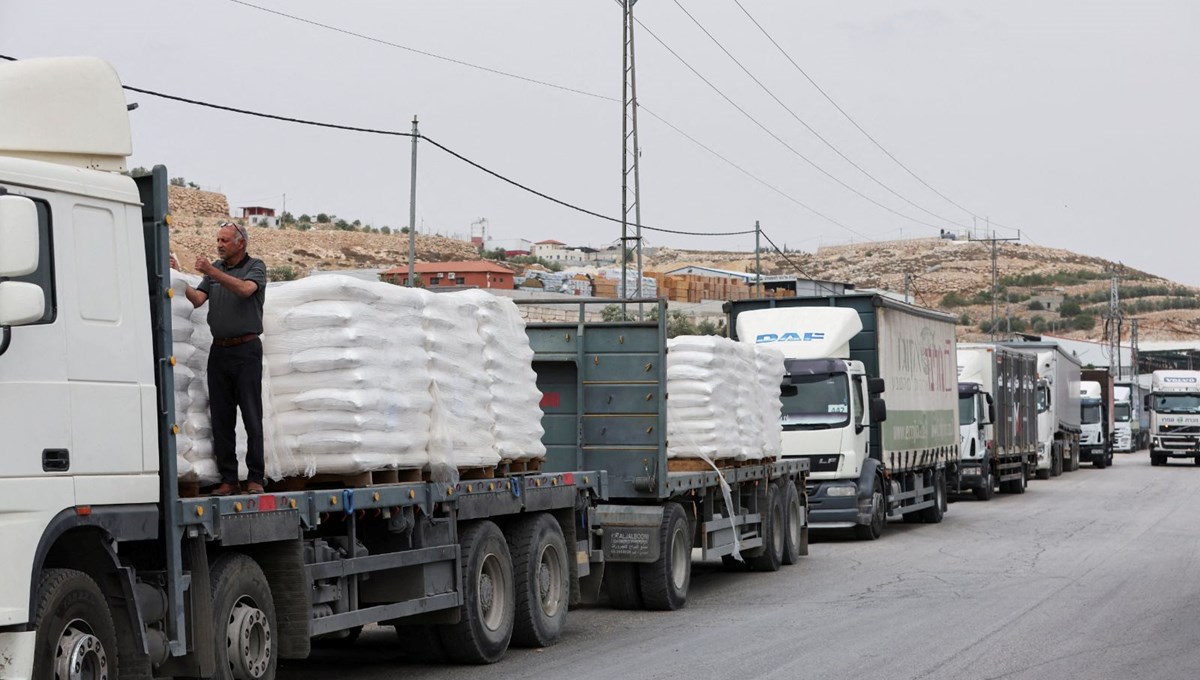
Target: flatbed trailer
(604,386)
(111,572)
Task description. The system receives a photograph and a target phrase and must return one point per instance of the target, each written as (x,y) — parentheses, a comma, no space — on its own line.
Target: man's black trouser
(235,382)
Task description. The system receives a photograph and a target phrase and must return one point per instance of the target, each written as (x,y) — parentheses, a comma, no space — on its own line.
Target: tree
(1070,307)
(344,225)
(304,226)
(305,218)
(322,218)
(964,320)
(283,272)
(138,171)
(1083,322)
(385,229)
(178,182)
(403,230)
(287,218)
(953,299)
(1036,306)
(356,223)
(612,313)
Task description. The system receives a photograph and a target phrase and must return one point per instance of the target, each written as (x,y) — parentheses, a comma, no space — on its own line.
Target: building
(778,284)
(471,274)
(510,246)
(260,217)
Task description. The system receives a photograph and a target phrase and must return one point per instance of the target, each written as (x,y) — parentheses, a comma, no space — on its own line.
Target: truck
(997,411)
(1096,418)
(1131,419)
(871,459)
(1058,407)
(1174,406)
(110,572)
(604,386)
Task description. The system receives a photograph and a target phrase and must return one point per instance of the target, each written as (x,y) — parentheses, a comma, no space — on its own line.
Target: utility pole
(994,240)
(1133,349)
(630,154)
(758,291)
(1112,325)
(907,277)
(412,209)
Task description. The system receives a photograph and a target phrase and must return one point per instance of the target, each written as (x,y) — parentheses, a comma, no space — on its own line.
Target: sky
(1073,122)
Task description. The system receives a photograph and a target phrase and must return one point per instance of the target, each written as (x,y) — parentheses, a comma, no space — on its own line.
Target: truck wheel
(541,580)
(1019,484)
(621,584)
(485,625)
(874,529)
(795,535)
(774,533)
(1156,459)
(76,637)
(420,643)
(987,487)
(935,514)
(243,619)
(665,581)
(1099,461)
(1056,462)
(1046,473)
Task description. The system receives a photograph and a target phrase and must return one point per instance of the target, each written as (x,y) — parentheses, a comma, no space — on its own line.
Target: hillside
(954,276)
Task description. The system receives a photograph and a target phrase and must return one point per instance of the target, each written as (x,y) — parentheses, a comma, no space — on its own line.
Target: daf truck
(997,410)
(1058,407)
(1096,418)
(1174,405)
(870,399)
(108,571)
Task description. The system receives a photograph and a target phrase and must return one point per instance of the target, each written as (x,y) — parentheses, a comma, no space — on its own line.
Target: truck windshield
(1121,412)
(966,409)
(1043,398)
(1090,414)
(1177,403)
(816,402)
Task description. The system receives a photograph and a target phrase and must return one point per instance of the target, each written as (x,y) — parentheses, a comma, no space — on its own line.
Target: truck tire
(1056,461)
(1047,473)
(420,643)
(75,632)
(541,580)
(486,617)
(987,487)
(1157,459)
(874,529)
(621,584)
(935,514)
(774,532)
(664,582)
(244,624)
(795,532)
(1099,461)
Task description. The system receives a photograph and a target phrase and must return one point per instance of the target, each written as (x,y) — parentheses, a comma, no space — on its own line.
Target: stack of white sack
(515,399)
(349,375)
(182,350)
(463,427)
(713,410)
(770,377)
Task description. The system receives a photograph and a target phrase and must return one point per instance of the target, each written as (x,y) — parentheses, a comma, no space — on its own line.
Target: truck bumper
(1175,447)
(16,655)
(970,474)
(1090,453)
(836,511)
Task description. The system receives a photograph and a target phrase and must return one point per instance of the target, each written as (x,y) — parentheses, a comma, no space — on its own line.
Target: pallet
(518,467)
(700,465)
(362,479)
(189,489)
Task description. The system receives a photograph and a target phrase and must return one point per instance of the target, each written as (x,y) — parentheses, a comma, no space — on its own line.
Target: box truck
(997,411)
(1096,417)
(1174,405)
(870,398)
(1057,405)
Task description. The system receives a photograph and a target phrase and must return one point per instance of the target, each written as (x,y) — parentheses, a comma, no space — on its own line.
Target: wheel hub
(81,655)
(248,641)
(549,578)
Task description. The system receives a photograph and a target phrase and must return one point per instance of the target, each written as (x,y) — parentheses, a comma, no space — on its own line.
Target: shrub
(1036,306)
(953,299)
(1070,307)
(284,272)
(385,229)
(1083,322)
(322,218)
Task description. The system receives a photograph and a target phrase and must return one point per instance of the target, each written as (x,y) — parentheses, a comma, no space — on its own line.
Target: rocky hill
(1039,289)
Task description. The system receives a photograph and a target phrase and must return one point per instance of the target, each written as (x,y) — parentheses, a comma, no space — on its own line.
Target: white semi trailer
(843,352)
(1174,405)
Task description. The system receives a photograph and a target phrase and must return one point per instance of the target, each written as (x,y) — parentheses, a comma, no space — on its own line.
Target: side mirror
(21,303)
(991,414)
(878,410)
(875,386)
(19,239)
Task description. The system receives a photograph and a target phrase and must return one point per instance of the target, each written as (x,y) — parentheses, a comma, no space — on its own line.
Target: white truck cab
(1091,414)
(1174,404)
(1123,418)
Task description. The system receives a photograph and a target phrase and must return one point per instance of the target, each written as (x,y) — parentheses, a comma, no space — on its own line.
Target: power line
(795,266)
(423,53)
(536,81)
(847,115)
(776,137)
(808,127)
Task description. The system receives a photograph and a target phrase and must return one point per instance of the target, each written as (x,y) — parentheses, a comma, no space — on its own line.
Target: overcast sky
(1075,121)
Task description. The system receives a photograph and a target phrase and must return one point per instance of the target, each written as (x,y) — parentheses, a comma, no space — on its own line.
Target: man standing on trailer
(235,286)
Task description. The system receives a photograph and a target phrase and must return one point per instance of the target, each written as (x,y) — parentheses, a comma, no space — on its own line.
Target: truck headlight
(842,490)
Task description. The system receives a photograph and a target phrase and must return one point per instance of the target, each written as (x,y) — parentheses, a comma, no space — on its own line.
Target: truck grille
(1180,429)
(824,463)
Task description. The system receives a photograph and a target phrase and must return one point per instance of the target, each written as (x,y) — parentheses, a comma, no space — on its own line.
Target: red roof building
(474,273)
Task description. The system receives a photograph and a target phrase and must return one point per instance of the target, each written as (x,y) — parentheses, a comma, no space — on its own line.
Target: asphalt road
(1093,575)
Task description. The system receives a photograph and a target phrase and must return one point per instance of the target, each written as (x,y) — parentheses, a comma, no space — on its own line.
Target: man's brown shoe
(224,489)
(254,487)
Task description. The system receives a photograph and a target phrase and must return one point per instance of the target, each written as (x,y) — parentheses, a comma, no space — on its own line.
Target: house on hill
(260,216)
(472,274)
